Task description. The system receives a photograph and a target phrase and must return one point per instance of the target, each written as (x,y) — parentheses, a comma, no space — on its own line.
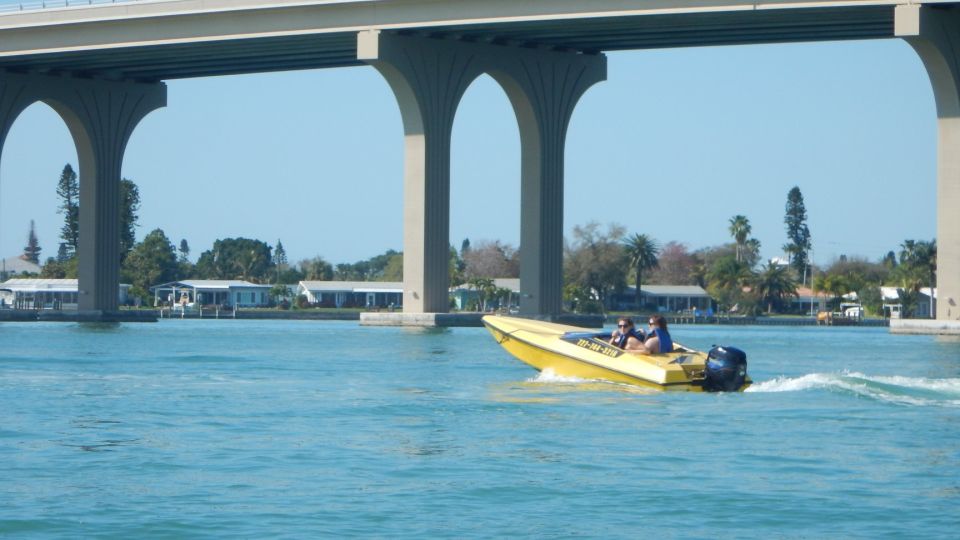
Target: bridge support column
(544,87)
(429,78)
(101,116)
(934,32)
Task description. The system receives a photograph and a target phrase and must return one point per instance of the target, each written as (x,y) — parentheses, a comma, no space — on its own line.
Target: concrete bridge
(102,67)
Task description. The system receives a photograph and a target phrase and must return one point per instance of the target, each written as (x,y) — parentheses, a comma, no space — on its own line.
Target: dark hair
(627,320)
(659,322)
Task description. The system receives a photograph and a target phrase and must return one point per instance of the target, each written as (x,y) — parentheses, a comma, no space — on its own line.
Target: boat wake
(892,389)
(549,376)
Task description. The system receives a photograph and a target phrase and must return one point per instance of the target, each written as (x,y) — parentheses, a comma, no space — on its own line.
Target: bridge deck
(156,45)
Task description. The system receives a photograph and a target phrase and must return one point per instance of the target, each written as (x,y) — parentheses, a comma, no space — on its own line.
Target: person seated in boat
(626,336)
(658,339)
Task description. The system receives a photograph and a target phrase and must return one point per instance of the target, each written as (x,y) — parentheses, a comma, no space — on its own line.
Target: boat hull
(570,352)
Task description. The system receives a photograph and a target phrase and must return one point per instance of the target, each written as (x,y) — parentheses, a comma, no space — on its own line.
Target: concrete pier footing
(925,326)
(444,320)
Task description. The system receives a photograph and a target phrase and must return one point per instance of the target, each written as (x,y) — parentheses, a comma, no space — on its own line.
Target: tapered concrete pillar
(934,32)
(101,116)
(429,78)
(544,87)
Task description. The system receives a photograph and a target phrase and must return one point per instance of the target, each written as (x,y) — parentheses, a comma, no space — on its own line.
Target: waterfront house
(42,293)
(191,293)
(893,307)
(664,298)
(809,301)
(465,295)
(363,294)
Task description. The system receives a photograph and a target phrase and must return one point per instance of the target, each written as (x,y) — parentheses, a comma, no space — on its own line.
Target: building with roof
(464,295)
(665,298)
(809,301)
(192,293)
(18,266)
(893,305)
(362,294)
(31,293)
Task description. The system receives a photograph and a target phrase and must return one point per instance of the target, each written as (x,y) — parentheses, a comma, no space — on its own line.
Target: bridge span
(101,66)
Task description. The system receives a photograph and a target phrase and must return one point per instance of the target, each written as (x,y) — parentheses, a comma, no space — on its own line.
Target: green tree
(236,258)
(918,267)
(836,285)
(798,233)
(316,269)
(642,251)
(151,262)
(394,269)
(279,260)
(740,231)
(596,260)
(773,285)
(280,293)
(726,278)
(485,288)
(32,250)
(56,269)
(129,206)
(184,251)
(68,189)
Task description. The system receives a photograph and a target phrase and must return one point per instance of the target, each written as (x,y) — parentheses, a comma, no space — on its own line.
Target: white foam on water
(919,391)
(550,376)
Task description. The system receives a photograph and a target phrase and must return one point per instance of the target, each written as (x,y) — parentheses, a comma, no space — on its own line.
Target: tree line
(598,263)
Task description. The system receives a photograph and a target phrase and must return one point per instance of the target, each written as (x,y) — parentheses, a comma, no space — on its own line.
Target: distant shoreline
(153,315)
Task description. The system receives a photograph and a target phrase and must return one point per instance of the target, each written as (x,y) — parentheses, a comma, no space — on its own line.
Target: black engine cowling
(726,369)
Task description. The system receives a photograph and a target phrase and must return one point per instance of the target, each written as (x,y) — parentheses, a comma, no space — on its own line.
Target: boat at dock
(570,351)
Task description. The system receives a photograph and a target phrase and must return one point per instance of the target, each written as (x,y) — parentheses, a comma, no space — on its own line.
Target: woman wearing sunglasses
(658,340)
(626,336)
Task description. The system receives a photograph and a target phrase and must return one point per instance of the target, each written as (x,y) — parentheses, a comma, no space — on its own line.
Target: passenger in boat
(626,336)
(658,340)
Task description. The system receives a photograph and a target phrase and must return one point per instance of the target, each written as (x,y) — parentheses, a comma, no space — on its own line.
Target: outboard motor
(726,369)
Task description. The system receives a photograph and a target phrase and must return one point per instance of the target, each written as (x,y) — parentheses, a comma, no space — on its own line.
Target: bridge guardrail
(36,5)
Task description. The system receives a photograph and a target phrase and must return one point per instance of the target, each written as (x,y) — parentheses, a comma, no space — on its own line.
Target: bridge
(101,64)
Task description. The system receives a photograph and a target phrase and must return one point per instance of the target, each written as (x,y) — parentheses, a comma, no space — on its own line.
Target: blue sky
(673,144)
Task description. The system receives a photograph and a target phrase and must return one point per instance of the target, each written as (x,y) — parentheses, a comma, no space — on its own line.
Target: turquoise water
(296,429)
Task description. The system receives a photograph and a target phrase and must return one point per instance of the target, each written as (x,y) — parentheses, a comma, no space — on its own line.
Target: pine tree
(62,255)
(279,259)
(797,231)
(280,255)
(32,251)
(68,189)
(184,250)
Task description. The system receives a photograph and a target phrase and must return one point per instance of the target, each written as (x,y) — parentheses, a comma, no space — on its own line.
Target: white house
(190,293)
(464,294)
(29,293)
(369,294)
(893,308)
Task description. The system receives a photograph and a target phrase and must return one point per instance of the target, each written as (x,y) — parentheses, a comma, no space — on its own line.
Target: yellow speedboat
(572,352)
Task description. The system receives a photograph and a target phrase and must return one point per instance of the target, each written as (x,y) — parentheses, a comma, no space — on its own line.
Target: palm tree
(918,260)
(726,279)
(643,252)
(773,284)
(740,231)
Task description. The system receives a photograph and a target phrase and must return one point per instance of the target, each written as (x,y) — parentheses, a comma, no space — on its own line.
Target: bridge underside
(212,54)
